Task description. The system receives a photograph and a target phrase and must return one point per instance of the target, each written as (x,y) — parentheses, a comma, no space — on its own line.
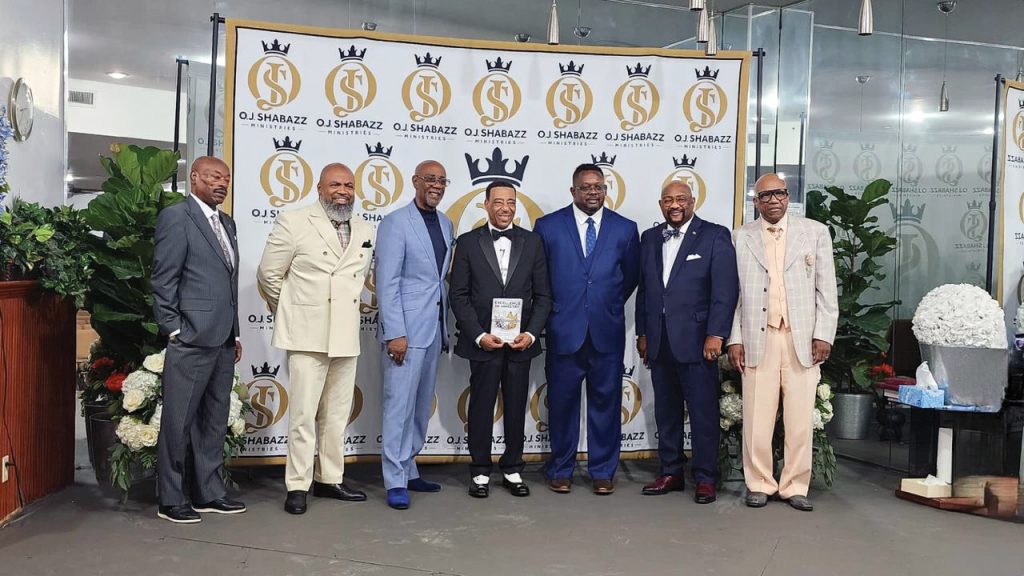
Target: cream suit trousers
(779,370)
(320,400)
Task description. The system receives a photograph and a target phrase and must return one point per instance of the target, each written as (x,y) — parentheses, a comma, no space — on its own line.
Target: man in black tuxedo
(498,260)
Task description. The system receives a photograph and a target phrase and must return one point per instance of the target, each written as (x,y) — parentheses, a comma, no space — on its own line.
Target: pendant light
(702,26)
(711,48)
(696,4)
(946,7)
(866,22)
(553,23)
(580,31)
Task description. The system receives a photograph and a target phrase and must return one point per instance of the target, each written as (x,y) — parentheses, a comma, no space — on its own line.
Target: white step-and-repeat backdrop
(298,98)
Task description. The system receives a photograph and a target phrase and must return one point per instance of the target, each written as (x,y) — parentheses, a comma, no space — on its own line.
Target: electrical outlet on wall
(3,469)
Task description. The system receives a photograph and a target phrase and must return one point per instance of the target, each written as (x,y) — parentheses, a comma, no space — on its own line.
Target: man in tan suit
(783,330)
(312,275)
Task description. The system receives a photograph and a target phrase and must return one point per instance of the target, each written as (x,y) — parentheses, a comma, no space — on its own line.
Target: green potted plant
(859,246)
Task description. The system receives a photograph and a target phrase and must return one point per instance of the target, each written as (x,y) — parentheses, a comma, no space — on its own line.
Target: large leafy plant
(859,246)
(119,299)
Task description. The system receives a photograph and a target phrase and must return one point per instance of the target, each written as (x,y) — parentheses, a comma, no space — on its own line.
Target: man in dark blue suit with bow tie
(684,308)
(594,265)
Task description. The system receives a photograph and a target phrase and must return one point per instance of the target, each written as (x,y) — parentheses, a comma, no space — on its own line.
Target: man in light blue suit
(594,266)
(413,254)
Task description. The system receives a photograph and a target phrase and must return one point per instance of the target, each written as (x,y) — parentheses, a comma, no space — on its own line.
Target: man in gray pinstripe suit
(195,298)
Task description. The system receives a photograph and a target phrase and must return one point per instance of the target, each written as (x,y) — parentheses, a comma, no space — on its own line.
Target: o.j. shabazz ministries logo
(949,168)
(612,179)
(497,96)
(539,408)
(426,92)
(268,397)
(357,404)
(826,162)
(463,409)
(497,169)
(632,398)
(685,172)
(351,86)
(569,99)
(273,79)
(705,103)
(637,99)
(378,181)
(286,177)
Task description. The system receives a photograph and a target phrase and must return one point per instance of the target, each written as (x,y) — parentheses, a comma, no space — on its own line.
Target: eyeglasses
(592,188)
(767,195)
(442,182)
(681,200)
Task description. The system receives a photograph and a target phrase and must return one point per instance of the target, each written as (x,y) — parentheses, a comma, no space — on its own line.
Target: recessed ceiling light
(118,75)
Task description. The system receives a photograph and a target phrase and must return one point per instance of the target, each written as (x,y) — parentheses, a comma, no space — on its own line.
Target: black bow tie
(498,234)
(670,232)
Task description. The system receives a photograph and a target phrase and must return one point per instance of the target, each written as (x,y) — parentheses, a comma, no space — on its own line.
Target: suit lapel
(796,237)
(419,229)
(517,250)
(574,232)
(755,241)
(689,239)
(232,238)
(322,224)
(206,230)
(659,251)
(487,247)
(602,233)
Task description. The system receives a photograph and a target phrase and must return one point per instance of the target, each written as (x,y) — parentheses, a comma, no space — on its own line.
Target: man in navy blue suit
(684,308)
(594,265)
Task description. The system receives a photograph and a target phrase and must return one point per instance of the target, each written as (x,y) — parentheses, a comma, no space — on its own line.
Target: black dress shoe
(221,506)
(183,514)
(519,489)
(338,492)
(295,503)
(479,490)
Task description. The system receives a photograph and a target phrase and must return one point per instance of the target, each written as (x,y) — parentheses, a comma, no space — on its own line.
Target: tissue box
(922,397)
(917,486)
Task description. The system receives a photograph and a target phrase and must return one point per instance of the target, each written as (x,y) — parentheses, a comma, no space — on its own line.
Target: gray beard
(337,212)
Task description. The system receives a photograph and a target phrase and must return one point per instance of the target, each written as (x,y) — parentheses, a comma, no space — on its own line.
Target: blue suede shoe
(398,498)
(421,485)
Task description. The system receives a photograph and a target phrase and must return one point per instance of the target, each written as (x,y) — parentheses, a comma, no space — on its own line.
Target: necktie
(591,237)
(344,230)
(215,221)
(498,234)
(775,231)
(670,232)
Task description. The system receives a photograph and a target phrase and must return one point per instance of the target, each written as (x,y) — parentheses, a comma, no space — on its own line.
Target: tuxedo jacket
(476,281)
(700,297)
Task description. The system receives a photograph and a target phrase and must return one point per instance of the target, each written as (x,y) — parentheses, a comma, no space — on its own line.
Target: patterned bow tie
(775,231)
(498,234)
(670,232)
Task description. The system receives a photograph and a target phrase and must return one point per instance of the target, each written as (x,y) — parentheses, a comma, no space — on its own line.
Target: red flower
(101,363)
(882,371)
(115,381)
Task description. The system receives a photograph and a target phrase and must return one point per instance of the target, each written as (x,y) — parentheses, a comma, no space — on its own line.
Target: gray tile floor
(859,527)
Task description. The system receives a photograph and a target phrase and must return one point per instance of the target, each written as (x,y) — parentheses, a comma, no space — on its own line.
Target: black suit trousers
(485,380)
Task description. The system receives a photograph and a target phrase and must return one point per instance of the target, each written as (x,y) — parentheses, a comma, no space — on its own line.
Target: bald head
(337,185)
(676,203)
(430,182)
(210,178)
(771,197)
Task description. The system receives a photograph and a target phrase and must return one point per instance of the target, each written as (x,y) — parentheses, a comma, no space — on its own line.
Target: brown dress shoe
(664,484)
(560,485)
(705,493)
(603,487)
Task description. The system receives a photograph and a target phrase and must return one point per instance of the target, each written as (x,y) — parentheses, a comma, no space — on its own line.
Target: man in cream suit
(312,275)
(783,330)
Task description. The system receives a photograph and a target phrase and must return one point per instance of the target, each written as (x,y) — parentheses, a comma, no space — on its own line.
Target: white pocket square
(693,257)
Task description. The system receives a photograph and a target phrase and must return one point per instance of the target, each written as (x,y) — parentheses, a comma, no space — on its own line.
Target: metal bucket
(971,376)
(852,415)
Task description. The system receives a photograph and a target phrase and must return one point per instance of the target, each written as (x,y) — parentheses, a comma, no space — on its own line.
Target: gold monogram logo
(350,86)
(274,80)
(539,408)
(369,303)
(705,103)
(357,404)
(286,178)
(632,399)
(426,93)
(463,218)
(686,174)
(569,99)
(378,181)
(499,408)
(637,100)
(616,183)
(268,397)
(1018,129)
(502,94)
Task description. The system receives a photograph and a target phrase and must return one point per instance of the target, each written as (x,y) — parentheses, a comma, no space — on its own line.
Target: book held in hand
(506,318)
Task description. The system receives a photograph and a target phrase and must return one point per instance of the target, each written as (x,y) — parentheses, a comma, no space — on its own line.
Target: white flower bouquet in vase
(962,335)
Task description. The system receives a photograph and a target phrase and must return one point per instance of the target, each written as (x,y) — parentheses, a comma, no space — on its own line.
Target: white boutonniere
(809,264)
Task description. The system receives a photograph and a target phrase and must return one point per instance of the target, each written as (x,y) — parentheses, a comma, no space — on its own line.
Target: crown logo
(867,147)
(287,144)
(684,162)
(639,71)
(827,144)
(907,213)
(428,61)
(604,160)
(974,205)
(498,65)
(265,371)
(571,69)
(910,148)
(629,373)
(351,54)
(496,169)
(276,48)
(707,74)
(379,151)
(949,149)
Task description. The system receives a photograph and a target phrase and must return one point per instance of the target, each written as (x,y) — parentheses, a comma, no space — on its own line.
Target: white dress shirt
(581,225)
(670,251)
(208,214)
(503,251)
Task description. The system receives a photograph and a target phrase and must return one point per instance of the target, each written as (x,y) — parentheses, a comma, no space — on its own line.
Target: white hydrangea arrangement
(960,315)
